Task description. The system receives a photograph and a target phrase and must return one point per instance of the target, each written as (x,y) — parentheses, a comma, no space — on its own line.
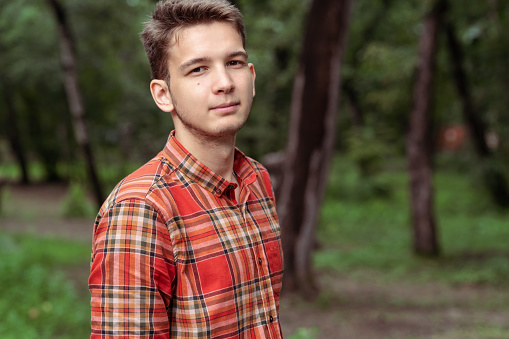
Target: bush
(75,204)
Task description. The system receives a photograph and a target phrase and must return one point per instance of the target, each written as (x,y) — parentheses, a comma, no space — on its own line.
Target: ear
(161,95)
(253,73)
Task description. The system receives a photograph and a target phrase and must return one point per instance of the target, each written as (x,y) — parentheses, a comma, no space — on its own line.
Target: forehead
(203,36)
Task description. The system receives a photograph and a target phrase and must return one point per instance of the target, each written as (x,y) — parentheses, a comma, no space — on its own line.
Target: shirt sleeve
(132,272)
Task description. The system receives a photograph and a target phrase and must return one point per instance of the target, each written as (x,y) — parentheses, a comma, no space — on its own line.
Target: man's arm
(131,274)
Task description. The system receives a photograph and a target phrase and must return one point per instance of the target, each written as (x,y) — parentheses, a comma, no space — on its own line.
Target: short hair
(170,16)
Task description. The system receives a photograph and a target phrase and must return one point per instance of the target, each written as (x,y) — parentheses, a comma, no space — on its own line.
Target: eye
(235,63)
(198,70)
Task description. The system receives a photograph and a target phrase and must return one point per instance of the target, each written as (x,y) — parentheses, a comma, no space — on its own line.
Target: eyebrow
(238,53)
(193,61)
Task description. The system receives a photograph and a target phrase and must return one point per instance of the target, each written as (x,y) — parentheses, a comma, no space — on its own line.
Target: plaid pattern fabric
(176,254)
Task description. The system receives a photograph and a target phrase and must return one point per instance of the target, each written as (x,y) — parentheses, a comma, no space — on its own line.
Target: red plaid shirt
(175,255)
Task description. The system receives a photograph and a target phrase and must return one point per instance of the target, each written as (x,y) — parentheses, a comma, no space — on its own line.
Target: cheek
(245,83)
(250,83)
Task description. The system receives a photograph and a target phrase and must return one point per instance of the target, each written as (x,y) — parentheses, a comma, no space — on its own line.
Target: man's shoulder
(142,182)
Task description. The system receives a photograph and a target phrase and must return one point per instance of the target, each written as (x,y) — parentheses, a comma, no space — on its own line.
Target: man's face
(211,84)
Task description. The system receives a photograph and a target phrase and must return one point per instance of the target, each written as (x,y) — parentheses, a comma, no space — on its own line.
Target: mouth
(226,107)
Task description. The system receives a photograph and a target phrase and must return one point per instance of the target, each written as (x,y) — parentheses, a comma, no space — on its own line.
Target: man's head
(201,73)
(171,16)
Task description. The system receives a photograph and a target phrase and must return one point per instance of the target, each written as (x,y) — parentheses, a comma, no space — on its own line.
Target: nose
(223,81)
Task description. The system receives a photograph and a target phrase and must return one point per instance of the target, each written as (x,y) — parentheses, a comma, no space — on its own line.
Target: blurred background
(407,231)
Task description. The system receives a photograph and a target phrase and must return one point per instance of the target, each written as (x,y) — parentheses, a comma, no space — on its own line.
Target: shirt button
(271,319)
(260,261)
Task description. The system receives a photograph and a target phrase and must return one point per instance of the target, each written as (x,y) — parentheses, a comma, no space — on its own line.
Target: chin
(226,130)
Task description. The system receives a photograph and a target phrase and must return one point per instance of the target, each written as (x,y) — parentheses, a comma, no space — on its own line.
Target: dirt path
(36,209)
(359,306)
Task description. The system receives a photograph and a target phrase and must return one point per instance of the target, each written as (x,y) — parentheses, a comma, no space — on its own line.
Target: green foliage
(365,151)
(126,127)
(124,123)
(113,77)
(375,233)
(368,147)
(37,299)
(355,185)
(75,204)
(379,63)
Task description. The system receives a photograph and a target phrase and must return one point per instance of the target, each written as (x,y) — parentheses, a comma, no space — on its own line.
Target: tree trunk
(311,137)
(12,131)
(493,177)
(74,97)
(419,139)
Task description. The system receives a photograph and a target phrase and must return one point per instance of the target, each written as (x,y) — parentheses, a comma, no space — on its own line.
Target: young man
(188,246)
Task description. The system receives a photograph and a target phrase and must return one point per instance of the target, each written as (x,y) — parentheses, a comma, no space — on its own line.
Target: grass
(370,229)
(38,300)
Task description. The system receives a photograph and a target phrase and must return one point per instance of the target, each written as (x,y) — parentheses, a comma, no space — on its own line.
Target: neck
(217,153)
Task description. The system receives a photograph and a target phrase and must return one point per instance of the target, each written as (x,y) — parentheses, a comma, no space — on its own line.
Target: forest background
(369,279)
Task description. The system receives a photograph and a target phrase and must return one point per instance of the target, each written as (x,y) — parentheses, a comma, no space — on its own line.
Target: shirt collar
(192,168)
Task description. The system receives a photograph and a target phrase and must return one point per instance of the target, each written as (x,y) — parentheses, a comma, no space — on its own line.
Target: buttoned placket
(262,261)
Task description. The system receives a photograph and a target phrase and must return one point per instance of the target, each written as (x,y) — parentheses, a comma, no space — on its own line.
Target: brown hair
(172,15)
